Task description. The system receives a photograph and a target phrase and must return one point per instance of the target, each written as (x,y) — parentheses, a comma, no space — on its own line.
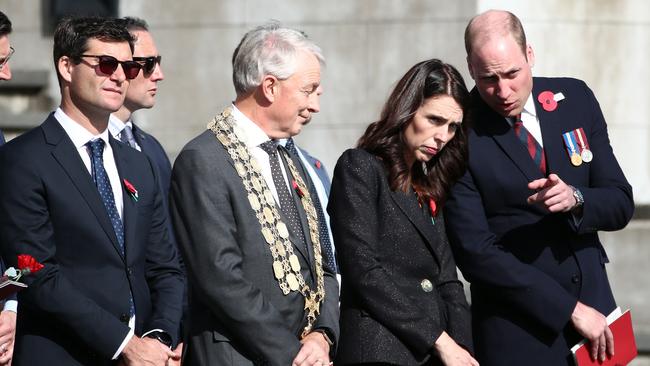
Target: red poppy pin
(433,207)
(549,100)
(131,189)
(296,188)
(318,164)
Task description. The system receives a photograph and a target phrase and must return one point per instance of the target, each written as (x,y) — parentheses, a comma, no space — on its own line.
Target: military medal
(586,154)
(570,144)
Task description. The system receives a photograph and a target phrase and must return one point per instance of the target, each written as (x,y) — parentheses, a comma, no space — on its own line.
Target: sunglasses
(108,65)
(148,63)
(4,61)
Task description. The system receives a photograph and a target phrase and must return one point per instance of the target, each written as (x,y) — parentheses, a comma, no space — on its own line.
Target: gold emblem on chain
(286,267)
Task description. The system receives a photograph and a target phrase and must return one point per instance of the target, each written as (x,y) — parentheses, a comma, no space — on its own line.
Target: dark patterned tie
(534,148)
(126,136)
(106,193)
(323,233)
(287,203)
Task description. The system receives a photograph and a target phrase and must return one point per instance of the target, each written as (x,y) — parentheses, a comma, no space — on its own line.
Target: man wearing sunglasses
(90,210)
(9,305)
(141,94)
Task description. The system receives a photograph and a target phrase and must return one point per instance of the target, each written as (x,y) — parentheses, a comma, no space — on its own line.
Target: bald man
(524,220)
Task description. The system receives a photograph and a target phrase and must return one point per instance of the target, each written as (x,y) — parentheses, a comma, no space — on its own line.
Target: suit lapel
(551,125)
(301,249)
(130,210)
(504,135)
(408,204)
(67,156)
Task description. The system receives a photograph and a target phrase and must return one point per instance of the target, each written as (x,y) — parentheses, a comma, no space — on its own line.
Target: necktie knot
(126,136)
(270,147)
(96,147)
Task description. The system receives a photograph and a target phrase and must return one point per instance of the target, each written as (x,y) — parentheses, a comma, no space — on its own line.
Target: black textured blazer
(400,290)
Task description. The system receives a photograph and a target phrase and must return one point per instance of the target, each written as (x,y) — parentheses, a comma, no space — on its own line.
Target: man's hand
(451,353)
(179,351)
(314,351)
(592,325)
(552,194)
(7,336)
(147,352)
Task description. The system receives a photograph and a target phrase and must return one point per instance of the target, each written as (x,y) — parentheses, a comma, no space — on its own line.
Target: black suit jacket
(154,150)
(75,311)
(238,314)
(528,267)
(399,285)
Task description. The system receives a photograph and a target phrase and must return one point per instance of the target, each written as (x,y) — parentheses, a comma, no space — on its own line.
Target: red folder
(624,345)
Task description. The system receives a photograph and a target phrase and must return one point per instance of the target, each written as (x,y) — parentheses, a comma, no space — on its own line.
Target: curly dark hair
(385,138)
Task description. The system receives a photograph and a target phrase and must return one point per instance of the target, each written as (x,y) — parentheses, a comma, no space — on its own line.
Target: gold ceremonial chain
(286,266)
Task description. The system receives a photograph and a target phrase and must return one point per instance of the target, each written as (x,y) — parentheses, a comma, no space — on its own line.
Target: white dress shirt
(254,136)
(115,126)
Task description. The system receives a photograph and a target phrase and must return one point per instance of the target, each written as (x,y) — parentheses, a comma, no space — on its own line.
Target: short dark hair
(135,24)
(385,138)
(72,34)
(5,24)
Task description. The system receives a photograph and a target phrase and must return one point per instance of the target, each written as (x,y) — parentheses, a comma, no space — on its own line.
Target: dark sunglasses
(148,63)
(108,65)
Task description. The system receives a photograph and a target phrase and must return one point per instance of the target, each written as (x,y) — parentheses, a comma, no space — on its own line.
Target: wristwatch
(161,337)
(325,335)
(580,200)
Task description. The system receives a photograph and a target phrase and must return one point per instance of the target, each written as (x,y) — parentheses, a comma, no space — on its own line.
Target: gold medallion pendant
(286,265)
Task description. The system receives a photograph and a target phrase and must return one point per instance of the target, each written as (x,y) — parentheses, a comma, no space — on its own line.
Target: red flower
(27,262)
(318,164)
(131,189)
(547,98)
(432,207)
(297,188)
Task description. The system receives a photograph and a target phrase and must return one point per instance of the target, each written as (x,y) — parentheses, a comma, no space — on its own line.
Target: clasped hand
(147,352)
(314,351)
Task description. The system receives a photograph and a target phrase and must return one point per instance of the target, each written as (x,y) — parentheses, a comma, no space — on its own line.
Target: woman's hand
(451,353)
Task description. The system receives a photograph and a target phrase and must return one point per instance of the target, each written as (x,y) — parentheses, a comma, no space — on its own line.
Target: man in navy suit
(142,95)
(524,220)
(91,211)
(10,305)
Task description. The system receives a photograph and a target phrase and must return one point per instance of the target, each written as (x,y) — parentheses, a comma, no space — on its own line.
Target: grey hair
(269,49)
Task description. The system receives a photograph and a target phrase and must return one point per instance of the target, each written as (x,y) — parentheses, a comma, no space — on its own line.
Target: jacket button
(575,279)
(426,285)
(124,318)
(129,271)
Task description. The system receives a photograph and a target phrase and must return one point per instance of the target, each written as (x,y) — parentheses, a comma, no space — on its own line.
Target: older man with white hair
(245,218)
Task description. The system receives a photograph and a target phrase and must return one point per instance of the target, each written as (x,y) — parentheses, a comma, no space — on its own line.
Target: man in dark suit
(524,220)
(10,305)
(320,184)
(140,95)
(259,292)
(90,210)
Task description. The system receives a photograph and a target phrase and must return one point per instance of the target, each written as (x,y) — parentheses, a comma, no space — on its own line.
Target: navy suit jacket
(75,311)
(2,138)
(528,267)
(2,264)
(154,150)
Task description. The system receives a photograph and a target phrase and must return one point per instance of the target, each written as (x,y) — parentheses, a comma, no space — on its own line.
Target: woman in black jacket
(401,301)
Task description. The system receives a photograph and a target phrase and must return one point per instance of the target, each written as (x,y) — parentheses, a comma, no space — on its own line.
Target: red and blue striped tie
(534,149)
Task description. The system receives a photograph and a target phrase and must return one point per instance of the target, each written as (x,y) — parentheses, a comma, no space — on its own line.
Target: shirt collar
(529,107)
(254,135)
(79,135)
(115,125)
